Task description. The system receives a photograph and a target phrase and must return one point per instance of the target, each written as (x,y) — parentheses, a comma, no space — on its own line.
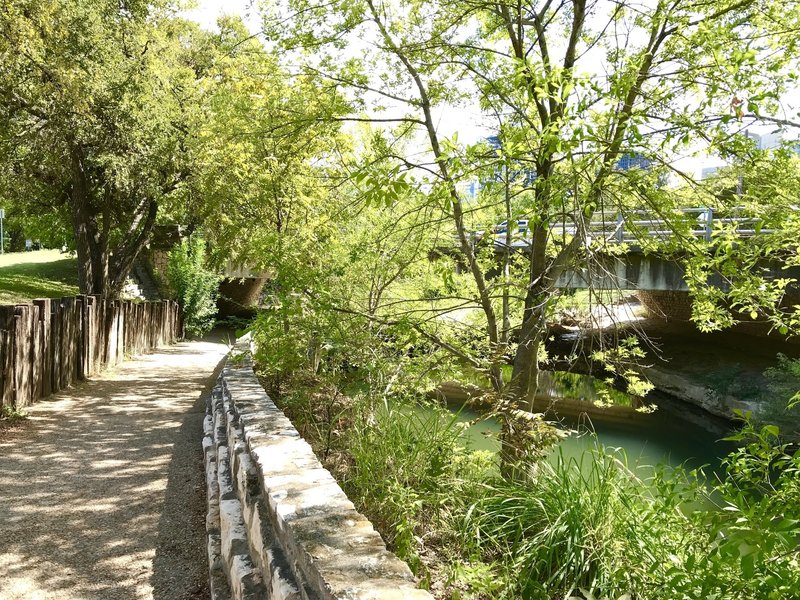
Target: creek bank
(720,372)
(686,390)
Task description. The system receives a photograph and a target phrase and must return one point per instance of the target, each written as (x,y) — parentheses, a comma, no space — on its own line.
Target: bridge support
(671,306)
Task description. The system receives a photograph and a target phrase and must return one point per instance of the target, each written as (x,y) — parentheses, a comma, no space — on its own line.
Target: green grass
(41,274)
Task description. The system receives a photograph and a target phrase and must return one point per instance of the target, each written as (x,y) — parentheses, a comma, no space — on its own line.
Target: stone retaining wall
(279,526)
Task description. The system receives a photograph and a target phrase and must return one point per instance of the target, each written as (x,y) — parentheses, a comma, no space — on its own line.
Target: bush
(780,401)
(196,287)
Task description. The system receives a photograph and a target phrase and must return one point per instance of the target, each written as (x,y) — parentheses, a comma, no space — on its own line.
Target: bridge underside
(637,271)
(629,272)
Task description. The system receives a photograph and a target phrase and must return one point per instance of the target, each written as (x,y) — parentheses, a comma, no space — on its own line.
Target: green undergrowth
(571,528)
(41,274)
(10,417)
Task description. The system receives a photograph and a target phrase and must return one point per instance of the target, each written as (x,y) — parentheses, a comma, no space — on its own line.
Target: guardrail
(633,226)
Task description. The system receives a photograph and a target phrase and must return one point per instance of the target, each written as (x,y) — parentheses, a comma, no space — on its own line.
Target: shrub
(196,287)
(780,401)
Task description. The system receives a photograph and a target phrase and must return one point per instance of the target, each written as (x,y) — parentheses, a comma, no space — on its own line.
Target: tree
(94,117)
(760,274)
(262,146)
(572,87)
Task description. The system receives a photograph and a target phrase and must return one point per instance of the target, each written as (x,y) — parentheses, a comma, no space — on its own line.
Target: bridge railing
(633,226)
(702,221)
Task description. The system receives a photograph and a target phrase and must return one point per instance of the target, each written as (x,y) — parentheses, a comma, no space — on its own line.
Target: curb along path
(102,490)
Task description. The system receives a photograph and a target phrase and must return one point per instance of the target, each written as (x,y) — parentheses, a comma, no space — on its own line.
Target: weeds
(576,528)
(10,416)
(571,529)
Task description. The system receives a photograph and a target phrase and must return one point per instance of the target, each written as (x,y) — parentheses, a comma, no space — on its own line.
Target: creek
(672,428)
(665,431)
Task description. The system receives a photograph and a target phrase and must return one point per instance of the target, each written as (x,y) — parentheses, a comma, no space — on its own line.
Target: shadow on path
(182,527)
(102,493)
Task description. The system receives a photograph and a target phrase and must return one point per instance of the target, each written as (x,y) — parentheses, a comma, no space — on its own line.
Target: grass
(577,528)
(41,274)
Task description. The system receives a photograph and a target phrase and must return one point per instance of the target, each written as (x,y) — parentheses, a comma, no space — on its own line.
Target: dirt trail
(102,491)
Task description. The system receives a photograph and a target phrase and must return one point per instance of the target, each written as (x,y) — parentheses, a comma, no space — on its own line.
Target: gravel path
(102,490)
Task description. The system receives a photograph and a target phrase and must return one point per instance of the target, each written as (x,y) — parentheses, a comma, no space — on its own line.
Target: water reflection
(662,431)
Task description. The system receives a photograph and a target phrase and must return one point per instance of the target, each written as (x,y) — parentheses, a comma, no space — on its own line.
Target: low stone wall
(279,526)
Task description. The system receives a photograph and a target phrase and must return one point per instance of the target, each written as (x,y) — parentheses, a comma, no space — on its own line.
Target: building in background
(633,160)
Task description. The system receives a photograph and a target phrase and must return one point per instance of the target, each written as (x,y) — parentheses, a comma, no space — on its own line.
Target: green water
(673,434)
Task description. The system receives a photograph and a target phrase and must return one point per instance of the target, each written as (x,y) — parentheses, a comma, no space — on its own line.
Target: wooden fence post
(126,319)
(81,310)
(6,369)
(91,329)
(55,340)
(100,332)
(108,321)
(22,356)
(67,342)
(120,333)
(37,354)
(46,374)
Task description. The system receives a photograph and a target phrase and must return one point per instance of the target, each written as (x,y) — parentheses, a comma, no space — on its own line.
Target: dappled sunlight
(101,493)
(41,256)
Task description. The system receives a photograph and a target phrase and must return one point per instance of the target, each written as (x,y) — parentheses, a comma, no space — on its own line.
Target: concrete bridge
(637,268)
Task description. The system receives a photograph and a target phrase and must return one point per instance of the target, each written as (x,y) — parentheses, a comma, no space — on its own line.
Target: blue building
(633,160)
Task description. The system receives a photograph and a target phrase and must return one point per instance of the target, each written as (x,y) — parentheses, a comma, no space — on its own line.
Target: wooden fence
(50,344)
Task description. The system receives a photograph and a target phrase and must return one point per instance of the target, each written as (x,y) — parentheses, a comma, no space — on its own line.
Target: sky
(207,12)
(464,121)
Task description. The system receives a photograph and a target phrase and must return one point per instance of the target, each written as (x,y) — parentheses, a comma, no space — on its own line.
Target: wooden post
(55,335)
(100,333)
(107,318)
(126,319)
(22,356)
(67,342)
(120,332)
(140,317)
(111,356)
(80,337)
(89,323)
(6,368)
(46,375)
(76,339)
(36,354)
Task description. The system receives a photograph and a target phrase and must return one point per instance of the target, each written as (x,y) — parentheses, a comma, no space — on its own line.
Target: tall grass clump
(402,464)
(575,524)
(590,528)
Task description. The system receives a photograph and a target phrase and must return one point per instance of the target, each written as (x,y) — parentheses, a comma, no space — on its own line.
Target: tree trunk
(128,250)
(99,272)
(79,204)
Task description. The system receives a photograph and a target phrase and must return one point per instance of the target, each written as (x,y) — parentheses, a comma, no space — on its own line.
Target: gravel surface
(102,489)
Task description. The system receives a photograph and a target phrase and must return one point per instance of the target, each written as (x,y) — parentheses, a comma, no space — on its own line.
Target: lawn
(40,274)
